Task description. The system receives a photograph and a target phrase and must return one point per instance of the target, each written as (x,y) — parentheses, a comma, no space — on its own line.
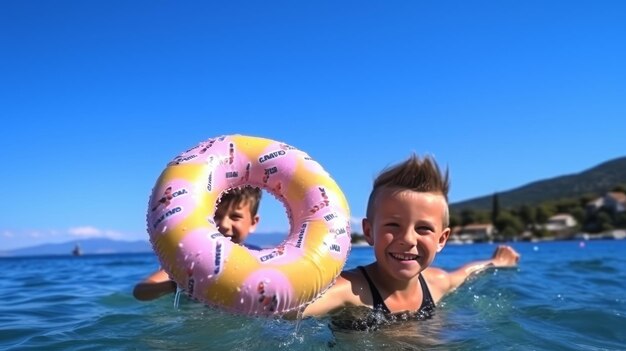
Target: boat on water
(77,251)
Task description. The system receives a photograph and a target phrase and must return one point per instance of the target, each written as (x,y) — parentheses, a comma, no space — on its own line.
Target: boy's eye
(424,228)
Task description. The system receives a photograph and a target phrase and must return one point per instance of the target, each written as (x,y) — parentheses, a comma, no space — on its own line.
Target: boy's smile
(403,257)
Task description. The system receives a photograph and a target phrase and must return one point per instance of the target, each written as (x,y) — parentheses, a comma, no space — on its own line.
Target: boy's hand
(505,256)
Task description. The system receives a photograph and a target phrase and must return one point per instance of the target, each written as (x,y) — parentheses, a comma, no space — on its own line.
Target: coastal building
(561,225)
(560,222)
(475,232)
(614,201)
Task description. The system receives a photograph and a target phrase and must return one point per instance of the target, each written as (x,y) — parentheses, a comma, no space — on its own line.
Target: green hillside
(594,181)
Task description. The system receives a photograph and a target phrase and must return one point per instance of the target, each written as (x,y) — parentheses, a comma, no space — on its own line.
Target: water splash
(179,291)
(299,318)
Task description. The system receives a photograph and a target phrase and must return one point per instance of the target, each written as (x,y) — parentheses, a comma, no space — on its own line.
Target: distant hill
(597,180)
(88,247)
(108,246)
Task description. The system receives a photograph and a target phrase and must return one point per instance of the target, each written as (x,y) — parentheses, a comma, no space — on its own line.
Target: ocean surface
(565,295)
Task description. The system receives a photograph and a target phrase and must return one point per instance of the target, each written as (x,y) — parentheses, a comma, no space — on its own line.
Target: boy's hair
(422,175)
(243,194)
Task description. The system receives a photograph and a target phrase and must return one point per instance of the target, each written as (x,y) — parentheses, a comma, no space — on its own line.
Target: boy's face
(234,220)
(406,231)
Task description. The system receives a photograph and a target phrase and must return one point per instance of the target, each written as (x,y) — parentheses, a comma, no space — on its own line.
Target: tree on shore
(495,208)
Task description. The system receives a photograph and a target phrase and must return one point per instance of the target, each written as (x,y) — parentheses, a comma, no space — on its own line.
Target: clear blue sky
(97,96)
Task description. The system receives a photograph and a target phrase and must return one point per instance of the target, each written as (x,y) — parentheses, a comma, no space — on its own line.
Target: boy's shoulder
(349,282)
(355,279)
(351,274)
(438,281)
(344,292)
(350,287)
(434,273)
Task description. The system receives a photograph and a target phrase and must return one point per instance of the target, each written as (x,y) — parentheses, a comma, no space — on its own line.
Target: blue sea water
(563,296)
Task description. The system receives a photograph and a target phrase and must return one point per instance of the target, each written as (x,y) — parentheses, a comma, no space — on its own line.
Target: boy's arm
(155,286)
(503,256)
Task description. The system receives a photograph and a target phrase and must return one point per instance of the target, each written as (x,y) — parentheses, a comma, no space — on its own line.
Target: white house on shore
(614,201)
(560,222)
(561,225)
(473,233)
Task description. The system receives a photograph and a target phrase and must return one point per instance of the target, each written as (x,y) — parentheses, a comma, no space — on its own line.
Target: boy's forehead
(397,192)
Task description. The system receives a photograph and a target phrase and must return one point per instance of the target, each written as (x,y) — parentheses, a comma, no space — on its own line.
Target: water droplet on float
(209,276)
(164,229)
(180,245)
(238,289)
(241,301)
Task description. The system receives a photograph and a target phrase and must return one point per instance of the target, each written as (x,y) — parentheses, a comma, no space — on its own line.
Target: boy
(407,224)
(236,217)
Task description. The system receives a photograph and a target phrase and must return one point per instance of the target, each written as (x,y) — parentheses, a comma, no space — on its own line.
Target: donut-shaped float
(220,273)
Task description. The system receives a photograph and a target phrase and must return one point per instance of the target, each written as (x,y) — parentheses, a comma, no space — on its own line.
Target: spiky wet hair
(421,175)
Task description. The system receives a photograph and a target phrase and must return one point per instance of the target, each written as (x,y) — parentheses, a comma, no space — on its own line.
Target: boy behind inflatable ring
(236,216)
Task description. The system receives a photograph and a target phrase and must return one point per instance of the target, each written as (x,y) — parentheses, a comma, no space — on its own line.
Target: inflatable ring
(220,273)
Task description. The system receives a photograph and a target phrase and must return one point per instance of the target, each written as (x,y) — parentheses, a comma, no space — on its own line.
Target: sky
(97,96)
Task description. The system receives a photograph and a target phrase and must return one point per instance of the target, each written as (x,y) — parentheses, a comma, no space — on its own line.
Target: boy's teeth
(404,257)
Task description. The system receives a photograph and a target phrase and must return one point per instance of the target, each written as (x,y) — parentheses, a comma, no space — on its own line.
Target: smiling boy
(407,225)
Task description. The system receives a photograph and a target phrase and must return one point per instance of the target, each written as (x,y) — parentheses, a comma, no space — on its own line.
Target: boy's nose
(410,237)
(224,226)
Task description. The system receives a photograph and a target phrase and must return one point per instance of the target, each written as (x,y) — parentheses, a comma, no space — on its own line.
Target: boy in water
(236,217)
(407,224)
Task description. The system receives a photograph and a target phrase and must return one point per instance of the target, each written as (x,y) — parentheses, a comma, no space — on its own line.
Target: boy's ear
(255,221)
(367,231)
(443,239)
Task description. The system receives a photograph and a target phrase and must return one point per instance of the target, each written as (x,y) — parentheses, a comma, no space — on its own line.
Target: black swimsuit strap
(427,299)
(377,300)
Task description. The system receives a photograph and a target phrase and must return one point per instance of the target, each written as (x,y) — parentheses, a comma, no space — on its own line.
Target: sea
(564,295)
